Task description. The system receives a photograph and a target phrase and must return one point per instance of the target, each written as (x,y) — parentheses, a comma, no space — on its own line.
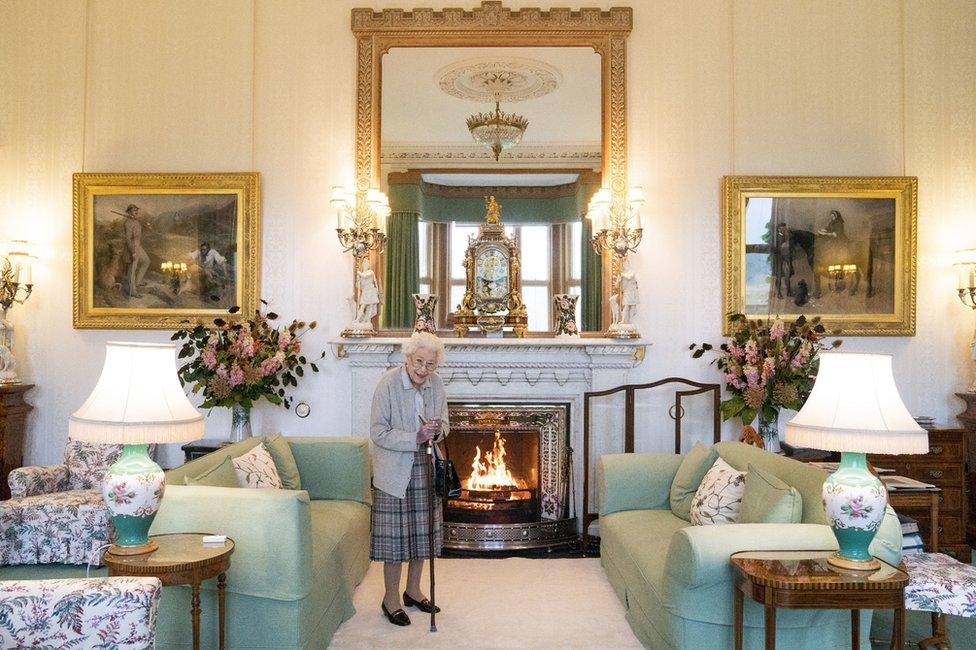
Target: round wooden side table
(181,559)
(804,580)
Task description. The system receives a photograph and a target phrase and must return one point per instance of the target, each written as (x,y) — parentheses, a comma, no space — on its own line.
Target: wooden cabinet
(13,421)
(944,466)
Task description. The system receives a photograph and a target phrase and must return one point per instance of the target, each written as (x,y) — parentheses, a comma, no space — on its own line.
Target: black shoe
(399,617)
(422,605)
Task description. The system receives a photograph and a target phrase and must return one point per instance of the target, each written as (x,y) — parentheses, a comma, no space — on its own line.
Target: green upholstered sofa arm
(635,481)
(699,555)
(271,530)
(334,468)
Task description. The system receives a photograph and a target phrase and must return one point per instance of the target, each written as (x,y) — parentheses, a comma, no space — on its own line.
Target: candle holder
(617,229)
(174,271)
(16,286)
(360,227)
(965,264)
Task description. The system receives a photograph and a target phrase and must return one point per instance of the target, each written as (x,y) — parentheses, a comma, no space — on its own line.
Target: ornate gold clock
(493,296)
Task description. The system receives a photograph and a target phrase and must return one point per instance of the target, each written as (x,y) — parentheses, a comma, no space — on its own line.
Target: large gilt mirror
(524,105)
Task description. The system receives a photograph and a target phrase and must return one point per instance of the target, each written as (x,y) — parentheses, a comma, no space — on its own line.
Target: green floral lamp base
(854,500)
(132,490)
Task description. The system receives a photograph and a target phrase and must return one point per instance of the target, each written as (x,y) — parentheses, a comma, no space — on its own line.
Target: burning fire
(491,473)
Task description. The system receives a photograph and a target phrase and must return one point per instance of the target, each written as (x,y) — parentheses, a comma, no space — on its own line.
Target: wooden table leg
(770,616)
(195,613)
(221,597)
(855,629)
(898,629)
(737,616)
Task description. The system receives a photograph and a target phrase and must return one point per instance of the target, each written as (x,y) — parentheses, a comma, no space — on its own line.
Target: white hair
(424,341)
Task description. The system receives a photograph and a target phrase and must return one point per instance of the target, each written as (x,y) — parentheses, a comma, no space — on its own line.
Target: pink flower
(777,331)
(284,340)
(209,358)
(571,326)
(270,366)
(751,351)
(735,351)
(236,377)
(768,369)
(752,375)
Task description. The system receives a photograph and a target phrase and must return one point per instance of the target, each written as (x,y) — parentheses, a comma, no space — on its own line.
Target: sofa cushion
(256,469)
(807,479)
(284,461)
(769,500)
(688,477)
(220,475)
(719,497)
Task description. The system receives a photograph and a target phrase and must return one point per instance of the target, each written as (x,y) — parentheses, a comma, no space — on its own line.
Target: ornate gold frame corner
(904,189)
(85,186)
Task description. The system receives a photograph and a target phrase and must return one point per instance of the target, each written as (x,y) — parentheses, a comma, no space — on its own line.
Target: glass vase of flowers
(235,364)
(768,365)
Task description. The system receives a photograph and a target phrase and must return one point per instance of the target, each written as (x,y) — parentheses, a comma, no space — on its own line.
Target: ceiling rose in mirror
(508,79)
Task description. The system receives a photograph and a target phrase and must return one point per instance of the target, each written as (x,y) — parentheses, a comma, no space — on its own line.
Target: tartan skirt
(400,526)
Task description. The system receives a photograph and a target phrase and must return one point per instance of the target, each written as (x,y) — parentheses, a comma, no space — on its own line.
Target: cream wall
(715,87)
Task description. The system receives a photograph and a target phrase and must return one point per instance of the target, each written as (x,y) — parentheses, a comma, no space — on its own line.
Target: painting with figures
(165,251)
(838,247)
(156,250)
(819,255)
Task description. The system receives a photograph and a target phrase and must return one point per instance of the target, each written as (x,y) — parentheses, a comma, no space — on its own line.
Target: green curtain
(402,270)
(591,284)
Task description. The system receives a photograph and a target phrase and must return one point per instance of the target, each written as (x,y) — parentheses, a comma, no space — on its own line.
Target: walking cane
(430,531)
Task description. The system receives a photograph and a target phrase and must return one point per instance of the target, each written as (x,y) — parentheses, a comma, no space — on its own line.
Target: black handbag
(447,485)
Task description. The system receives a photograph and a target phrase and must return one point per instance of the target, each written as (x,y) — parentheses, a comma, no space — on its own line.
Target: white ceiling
(500,180)
(416,111)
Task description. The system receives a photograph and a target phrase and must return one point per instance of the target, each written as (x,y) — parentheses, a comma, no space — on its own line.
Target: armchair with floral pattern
(115,612)
(56,513)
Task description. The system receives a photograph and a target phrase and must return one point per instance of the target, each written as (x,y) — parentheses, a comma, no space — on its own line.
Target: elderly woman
(409,411)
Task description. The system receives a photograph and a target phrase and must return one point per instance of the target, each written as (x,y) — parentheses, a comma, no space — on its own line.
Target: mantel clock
(493,294)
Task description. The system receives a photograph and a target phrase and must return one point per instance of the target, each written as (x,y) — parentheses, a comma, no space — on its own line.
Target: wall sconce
(840,274)
(16,286)
(617,228)
(361,228)
(175,272)
(965,263)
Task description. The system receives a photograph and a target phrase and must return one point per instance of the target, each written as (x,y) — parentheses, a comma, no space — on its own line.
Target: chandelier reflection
(498,131)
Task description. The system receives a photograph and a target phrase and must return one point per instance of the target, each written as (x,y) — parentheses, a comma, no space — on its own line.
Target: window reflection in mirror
(437,175)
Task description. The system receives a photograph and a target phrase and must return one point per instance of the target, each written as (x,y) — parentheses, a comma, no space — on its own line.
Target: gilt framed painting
(152,251)
(842,248)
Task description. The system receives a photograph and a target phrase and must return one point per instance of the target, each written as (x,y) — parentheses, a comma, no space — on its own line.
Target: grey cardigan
(394,424)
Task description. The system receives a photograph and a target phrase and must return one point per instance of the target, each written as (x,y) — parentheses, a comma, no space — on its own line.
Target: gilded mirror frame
(493,25)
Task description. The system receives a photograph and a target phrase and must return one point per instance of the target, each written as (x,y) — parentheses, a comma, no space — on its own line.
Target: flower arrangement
(768,365)
(236,364)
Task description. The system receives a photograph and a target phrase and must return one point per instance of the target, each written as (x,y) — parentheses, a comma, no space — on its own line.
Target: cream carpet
(509,603)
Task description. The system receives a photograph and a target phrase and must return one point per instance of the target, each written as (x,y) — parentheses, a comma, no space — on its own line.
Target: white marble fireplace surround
(529,370)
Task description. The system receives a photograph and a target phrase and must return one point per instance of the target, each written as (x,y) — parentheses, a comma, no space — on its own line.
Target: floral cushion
(719,497)
(87,463)
(37,479)
(256,469)
(79,613)
(63,527)
(938,583)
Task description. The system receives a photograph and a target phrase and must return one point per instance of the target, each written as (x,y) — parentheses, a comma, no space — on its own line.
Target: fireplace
(515,464)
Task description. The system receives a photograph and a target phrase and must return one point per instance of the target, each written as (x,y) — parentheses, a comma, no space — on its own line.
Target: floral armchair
(79,613)
(56,513)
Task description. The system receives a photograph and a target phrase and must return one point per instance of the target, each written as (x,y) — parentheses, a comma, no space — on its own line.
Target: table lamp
(137,401)
(855,408)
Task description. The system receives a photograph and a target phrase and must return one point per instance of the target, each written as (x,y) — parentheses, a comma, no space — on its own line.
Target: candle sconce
(16,286)
(616,227)
(361,229)
(175,271)
(841,275)
(965,263)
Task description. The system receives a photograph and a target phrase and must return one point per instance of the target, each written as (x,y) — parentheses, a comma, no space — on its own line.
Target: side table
(13,422)
(181,559)
(804,580)
(202,447)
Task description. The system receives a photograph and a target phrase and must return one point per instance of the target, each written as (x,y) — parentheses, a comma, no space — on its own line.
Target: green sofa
(298,556)
(675,579)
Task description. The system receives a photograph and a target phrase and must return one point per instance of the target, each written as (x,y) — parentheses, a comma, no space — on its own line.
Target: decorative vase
(240,427)
(769,431)
(854,501)
(132,489)
(565,307)
(425,303)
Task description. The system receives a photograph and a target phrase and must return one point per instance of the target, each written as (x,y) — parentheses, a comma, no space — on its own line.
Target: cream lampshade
(137,401)
(855,408)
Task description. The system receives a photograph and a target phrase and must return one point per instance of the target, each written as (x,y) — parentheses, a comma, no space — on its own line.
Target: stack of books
(911,540)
